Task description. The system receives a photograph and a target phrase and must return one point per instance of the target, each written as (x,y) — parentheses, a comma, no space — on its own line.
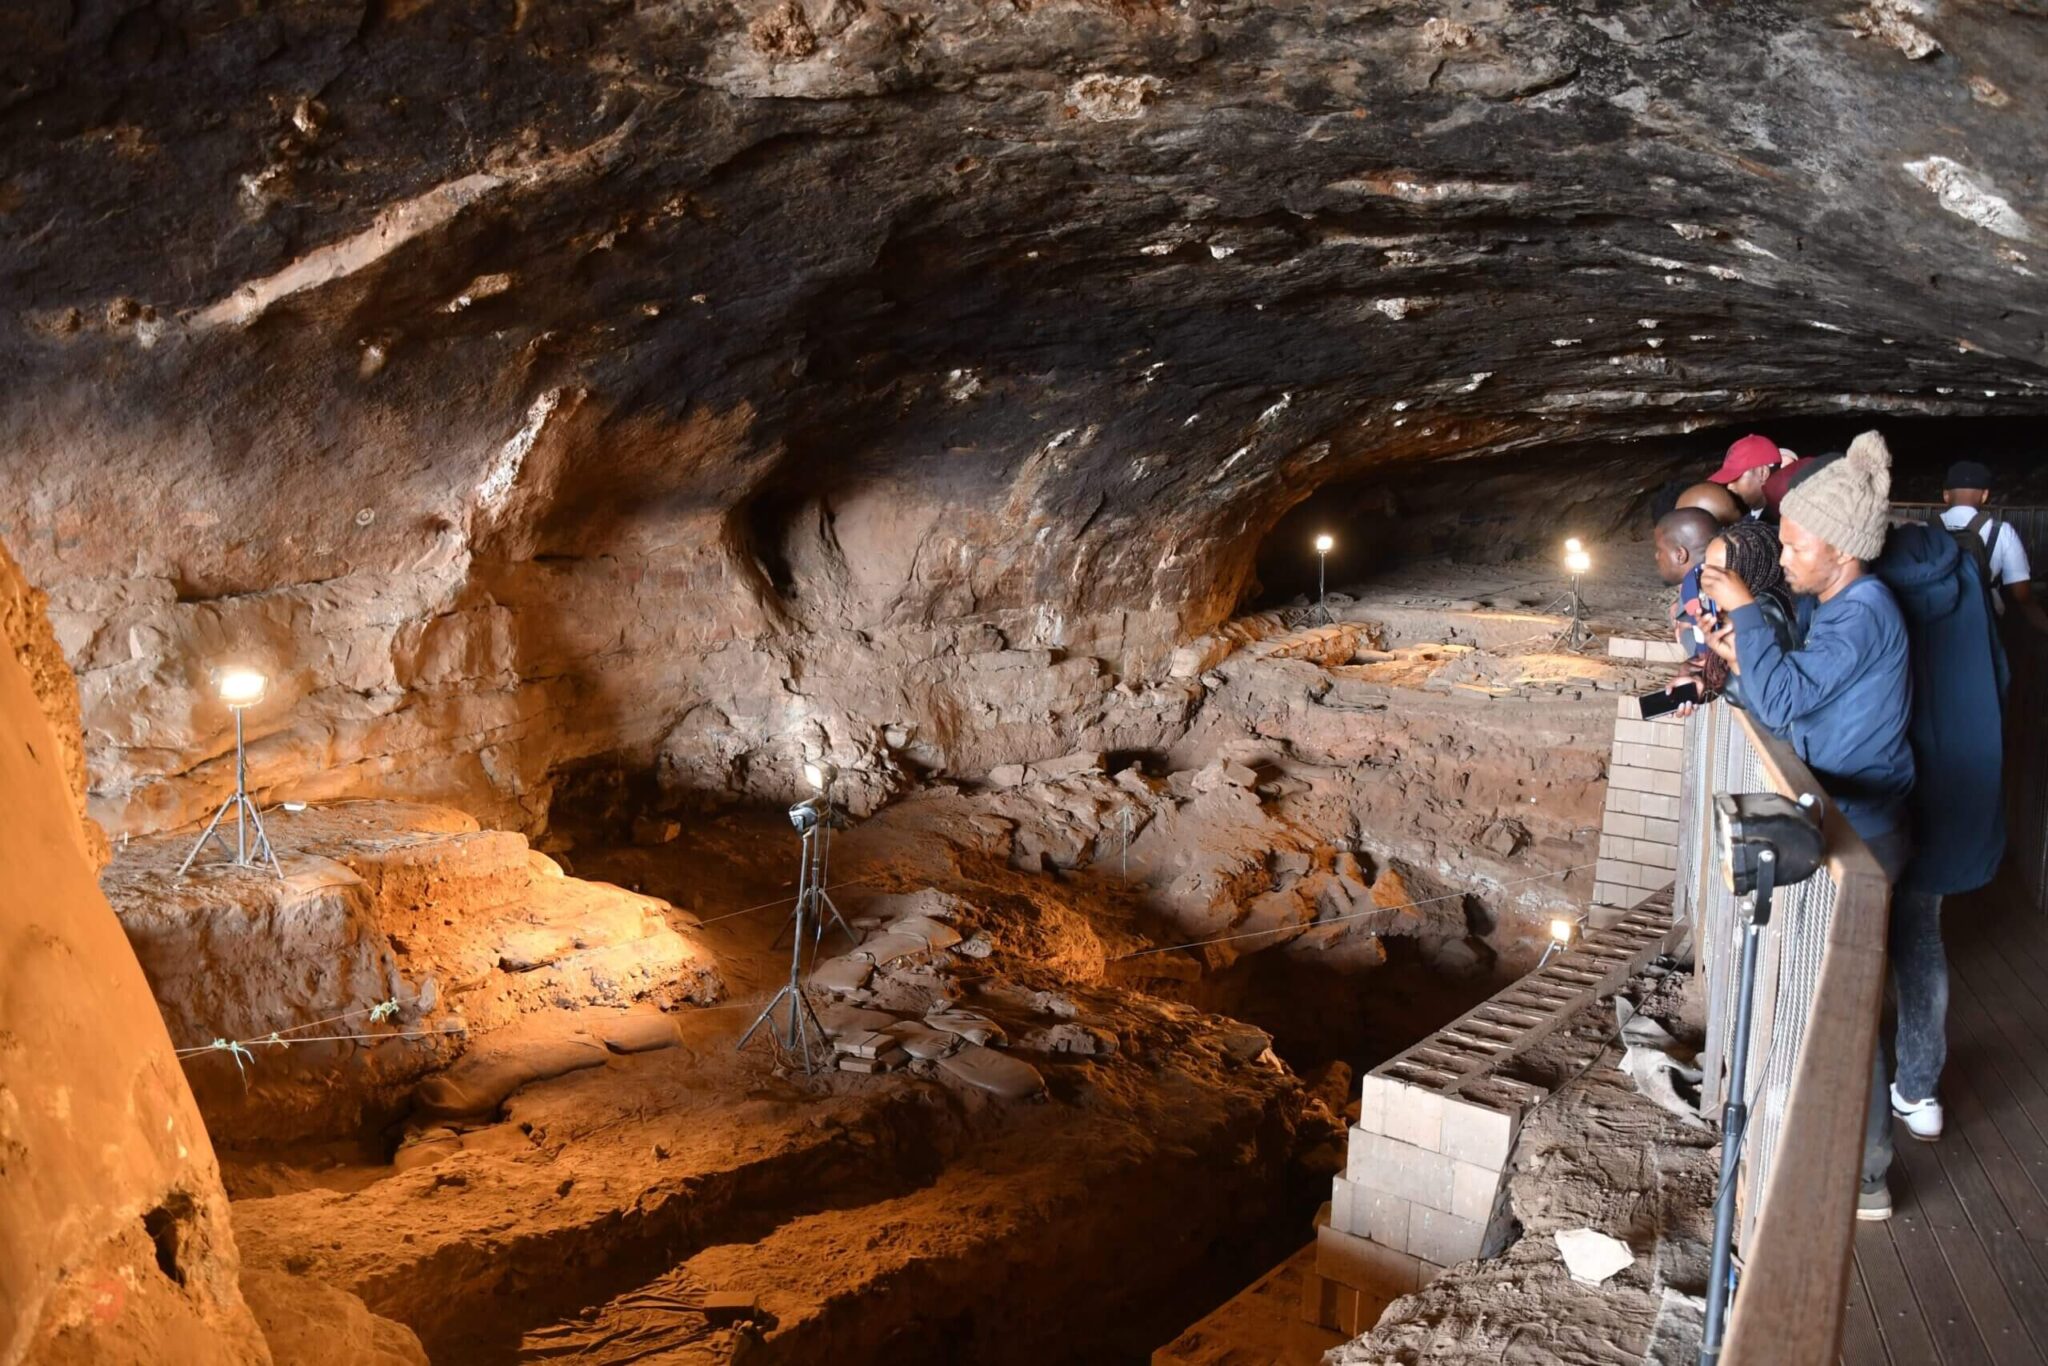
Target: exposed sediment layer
(402,936)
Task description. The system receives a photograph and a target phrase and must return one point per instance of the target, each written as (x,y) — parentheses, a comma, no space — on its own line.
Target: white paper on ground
(1592,1256)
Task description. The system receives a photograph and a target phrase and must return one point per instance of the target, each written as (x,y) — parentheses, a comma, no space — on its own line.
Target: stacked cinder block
(1650,651)
(1639,828)
(1425,1180)
(1424,1187)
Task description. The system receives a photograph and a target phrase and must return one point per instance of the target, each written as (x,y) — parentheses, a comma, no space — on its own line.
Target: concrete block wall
(1425,1177)
(1649,651)
(1639,825)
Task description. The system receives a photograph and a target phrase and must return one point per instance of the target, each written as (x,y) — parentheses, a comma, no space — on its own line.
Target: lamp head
(240,686)
(805,815)
(1752,828)
(1576,560)
(1562,931)
(1325,543)
(817,775)
(1573,545)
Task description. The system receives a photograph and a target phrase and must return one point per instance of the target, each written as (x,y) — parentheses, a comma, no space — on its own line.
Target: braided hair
(1753,557)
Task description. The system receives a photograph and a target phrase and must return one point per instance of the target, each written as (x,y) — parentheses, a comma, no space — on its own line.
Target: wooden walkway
(1960,1273)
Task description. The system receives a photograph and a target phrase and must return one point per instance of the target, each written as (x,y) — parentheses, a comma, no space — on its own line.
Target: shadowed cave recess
(587,416)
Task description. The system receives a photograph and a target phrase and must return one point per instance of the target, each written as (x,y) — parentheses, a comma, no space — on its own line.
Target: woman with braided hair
(1749,551)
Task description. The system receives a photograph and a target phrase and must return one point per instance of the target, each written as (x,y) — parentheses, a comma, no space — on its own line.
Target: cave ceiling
(851,315)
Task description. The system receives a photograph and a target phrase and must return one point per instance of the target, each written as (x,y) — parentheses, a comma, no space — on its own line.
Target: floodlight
(241,687)
(1576,635)
(1561,931)
(797,1028)
(1323,543)
(1757,828)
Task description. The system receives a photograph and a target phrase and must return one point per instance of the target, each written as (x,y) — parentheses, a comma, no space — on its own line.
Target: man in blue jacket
(1843,700)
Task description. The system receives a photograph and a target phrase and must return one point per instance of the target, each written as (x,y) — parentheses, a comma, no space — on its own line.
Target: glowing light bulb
(1573,546)
(815,776)
(241,687)
(1578,561)
(1561,931)
(1324,543)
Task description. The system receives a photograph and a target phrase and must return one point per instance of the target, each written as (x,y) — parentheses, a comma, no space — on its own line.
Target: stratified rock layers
(717,386)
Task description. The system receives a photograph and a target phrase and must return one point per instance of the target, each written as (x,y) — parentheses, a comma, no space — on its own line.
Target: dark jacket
(1777,611)
(1959,678)
(1842,699)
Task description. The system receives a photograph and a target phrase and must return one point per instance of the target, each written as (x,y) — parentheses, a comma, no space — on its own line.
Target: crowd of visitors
(1871,646)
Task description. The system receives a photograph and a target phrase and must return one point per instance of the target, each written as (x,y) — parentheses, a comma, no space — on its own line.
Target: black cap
(1968,474)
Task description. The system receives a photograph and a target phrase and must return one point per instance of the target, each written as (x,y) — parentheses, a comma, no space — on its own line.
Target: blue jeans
(1910,927)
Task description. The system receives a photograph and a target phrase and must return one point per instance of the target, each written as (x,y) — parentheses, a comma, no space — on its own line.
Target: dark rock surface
(522,382)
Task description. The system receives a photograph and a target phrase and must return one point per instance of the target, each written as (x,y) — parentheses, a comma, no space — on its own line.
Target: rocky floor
(623,1204)
(1090,1051)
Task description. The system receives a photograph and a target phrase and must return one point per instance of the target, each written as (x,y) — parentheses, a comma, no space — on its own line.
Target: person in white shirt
(1966,490)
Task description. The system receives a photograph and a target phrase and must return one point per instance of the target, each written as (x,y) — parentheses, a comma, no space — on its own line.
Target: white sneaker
(1923,1117)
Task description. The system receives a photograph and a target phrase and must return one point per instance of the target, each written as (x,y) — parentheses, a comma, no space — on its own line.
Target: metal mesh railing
(1722,755)
(1819,981)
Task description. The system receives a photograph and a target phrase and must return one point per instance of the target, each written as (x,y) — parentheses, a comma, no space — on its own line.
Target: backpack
(1977,541)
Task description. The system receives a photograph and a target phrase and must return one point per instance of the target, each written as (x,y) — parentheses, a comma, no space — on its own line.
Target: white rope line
(783,901)
(239,1048)
(1340,919)
(243,1048)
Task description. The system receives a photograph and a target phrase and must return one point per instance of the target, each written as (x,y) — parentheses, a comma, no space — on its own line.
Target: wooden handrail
(1795,1276)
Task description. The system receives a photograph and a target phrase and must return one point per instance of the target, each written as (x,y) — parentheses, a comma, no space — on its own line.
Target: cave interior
(614,431)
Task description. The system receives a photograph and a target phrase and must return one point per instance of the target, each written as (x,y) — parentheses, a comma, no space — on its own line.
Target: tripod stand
(1735,1113)
(1576,635)
(247,852)
(800,1032)
(813,901)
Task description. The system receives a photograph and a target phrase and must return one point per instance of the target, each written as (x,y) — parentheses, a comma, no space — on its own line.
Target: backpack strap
(1990,528)
(1970,536)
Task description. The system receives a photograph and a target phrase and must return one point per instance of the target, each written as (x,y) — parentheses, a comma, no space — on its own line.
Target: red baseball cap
(1750,453)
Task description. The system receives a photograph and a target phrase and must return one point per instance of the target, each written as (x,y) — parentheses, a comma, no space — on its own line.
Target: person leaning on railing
(1843,697)
(1749,551)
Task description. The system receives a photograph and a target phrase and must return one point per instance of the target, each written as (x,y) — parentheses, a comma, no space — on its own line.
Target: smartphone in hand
(1661,702)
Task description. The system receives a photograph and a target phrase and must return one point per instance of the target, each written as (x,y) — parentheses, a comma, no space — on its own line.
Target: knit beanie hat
(1847,502)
